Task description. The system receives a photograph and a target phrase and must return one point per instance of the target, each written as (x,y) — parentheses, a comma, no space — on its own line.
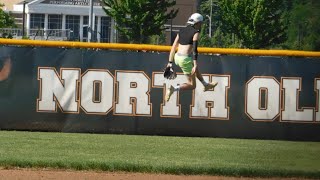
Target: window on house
(105,29)
(54,21)
(85,28)
(36,21)
(73,23)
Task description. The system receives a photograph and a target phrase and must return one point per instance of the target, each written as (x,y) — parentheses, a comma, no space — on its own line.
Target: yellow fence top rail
(158,48)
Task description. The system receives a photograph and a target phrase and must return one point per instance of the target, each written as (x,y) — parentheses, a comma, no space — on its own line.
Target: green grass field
(158,154)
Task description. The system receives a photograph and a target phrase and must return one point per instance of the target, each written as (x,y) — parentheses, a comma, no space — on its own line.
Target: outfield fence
(119,88)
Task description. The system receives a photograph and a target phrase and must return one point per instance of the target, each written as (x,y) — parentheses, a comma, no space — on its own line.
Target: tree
(6,20)
(137,20)
(303,22)
(256,23)
(220,37)
(213,17)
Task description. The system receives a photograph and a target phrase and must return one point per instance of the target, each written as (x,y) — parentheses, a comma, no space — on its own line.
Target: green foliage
(277,24)
(25,37)
(257,23)
(137,20)
(6,20)
(303,22)
(157,39)
(205,39)
(220,36)
(6,35)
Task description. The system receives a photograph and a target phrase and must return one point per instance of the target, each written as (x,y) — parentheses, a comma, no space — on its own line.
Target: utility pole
(209,25)
(90,21)
(23,18)
(210,18)
(171,36)
(210,30)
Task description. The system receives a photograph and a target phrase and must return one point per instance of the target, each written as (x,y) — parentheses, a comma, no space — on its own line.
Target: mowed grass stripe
(158,154)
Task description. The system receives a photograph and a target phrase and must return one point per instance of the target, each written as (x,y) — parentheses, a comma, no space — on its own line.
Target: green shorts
(185,62)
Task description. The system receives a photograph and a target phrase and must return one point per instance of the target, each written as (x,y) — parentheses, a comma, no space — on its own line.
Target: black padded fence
(122,92)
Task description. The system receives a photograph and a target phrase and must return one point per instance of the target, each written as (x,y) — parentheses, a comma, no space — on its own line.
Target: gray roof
(27,1)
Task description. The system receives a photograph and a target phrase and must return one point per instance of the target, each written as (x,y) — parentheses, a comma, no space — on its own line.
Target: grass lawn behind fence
(158,154)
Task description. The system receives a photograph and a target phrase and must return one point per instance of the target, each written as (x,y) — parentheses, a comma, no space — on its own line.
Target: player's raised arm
(173,49)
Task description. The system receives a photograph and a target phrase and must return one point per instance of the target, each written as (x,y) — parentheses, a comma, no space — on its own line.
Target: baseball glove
(169,73)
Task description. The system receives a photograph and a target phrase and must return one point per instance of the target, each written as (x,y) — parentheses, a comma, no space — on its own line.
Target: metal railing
(37,34)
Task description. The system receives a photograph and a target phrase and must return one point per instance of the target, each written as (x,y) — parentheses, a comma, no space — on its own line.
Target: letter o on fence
(271,109)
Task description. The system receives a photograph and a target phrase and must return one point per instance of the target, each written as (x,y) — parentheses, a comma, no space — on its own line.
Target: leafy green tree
(303,22)
(256,23)
(214,15)
(6,20)
(137,20)
(221,34)
(157,39)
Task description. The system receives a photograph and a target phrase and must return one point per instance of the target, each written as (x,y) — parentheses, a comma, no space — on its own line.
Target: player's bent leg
(169,93)
(207,86)
(191,84)
(199,75)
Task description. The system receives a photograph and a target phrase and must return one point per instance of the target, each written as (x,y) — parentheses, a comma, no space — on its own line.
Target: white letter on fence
(271,108)
(90,101)
(133,94)
(171,108)
(54,89)
(291,111)
(211,104)
(317,85)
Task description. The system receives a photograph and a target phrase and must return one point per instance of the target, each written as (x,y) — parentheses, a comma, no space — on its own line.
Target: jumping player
(187,42)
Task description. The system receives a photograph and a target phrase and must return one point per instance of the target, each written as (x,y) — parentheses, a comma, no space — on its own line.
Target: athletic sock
(204,83)
(177,88)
